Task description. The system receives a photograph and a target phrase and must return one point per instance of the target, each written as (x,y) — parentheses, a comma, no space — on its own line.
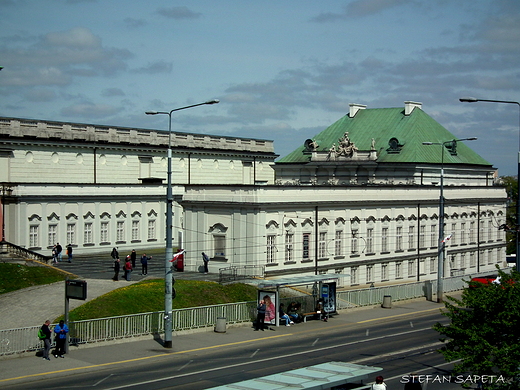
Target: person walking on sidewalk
(144,264)
(128,269)
(59,251)
(205,260)
(380,384)
(133,256)
(47,340)
(69,252)
(61,331)
(117,267)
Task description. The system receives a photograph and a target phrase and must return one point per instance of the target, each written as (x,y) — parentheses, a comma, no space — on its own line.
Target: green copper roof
(384,124)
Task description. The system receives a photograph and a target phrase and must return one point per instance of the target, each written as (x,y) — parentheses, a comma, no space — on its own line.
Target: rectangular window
(384,271)
(338,243)
(354,242)
(472,260)
(306,246)
(490,231)
(463,260)
(411,267)
(103,232)
(422,236)
(472,231)
(453,239)
(384,240)
(411,237)
(120,231)
(151,229)
(399,238)
(289,246)
(322,250)
(135,231)
(53,235)
(71,233)
(433,236)
(398,270)
(33,236)
(463,233)
(219,243)
(354,275)
(271,248)
(370,240)
(433,265)
(87,233)
(370,273)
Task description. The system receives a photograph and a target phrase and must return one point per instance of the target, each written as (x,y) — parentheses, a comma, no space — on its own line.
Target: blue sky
(283,70)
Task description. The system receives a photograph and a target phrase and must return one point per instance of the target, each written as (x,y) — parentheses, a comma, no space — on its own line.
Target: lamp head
(214,101)
(468,100)
(151,112)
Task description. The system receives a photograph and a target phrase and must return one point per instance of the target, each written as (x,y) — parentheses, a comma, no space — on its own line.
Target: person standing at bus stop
(61,331)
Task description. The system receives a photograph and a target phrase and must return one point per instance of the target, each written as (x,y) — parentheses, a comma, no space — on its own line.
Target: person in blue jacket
(61,331)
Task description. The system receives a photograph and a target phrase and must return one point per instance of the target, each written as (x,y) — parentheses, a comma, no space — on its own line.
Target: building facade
(96,187)
(360,198)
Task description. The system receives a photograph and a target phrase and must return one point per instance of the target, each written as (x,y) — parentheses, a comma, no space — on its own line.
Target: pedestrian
(380,384)
(54,255)
(144,264)
(128,269)
(117,266)
(114,253)
(260,317)
(69,252)
(133,257)
(59,251)
(61,331)
(47,340)
(205,260)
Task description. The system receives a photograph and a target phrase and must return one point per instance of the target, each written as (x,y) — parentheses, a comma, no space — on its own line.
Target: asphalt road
(400,344)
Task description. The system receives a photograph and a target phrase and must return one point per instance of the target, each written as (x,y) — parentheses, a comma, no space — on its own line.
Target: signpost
(74,289)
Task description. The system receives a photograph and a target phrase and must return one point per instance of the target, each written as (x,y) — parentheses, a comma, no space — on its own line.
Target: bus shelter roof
(299,280)
(319,376)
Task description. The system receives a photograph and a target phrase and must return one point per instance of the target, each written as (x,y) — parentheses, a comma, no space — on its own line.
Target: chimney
(354,108)
(409,106)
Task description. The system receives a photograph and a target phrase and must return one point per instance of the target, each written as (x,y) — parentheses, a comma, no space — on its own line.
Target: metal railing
(18,251)
(20,340)
(233,273)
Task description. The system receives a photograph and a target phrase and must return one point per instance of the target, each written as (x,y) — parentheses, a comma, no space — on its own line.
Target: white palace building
(361,197)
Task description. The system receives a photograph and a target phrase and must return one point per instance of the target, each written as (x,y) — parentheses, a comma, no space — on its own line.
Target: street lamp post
(168,278)
(442,239)
(517,227)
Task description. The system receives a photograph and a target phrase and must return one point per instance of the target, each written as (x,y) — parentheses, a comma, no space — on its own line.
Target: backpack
(41,334)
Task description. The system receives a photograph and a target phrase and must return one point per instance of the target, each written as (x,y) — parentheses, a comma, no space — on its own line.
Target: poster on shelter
(328,293)
(269,299)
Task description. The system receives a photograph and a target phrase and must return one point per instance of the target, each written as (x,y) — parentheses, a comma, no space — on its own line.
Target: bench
(310,314)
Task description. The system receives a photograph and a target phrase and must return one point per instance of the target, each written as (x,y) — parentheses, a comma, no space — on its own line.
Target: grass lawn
(17,276)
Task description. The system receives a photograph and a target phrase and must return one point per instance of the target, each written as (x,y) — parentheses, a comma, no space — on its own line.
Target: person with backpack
(128,268)
(44,334)
(61,331)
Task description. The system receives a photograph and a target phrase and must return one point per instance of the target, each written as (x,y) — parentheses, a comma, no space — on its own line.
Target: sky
(282,70)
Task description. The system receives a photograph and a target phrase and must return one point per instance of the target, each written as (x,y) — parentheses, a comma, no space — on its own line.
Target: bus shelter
(325,289)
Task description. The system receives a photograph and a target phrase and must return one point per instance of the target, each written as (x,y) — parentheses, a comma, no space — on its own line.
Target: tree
(484,333)
(511,185)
